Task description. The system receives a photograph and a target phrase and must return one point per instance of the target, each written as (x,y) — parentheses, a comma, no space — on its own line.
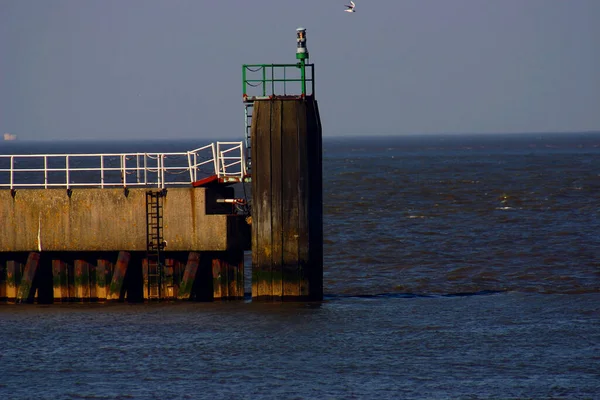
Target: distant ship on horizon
(10,136)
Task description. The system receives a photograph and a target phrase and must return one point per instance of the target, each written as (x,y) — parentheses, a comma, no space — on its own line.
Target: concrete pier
(287,228)
(122,229)
(90,245)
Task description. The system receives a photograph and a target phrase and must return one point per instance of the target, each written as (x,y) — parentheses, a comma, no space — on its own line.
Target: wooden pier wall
(287,202)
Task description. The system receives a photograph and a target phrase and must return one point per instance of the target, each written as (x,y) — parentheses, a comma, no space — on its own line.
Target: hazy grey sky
(104,69)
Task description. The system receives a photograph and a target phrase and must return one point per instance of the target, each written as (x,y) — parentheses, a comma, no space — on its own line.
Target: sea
(455,267)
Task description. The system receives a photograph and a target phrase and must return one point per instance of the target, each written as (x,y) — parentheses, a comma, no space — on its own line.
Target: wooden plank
(189,276)
(315,198)
(277,164)
(256,206)
(290,268)
(25,293)
(303,199)
(116,286)
(261,200)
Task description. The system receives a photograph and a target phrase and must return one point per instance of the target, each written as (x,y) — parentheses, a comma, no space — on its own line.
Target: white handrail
(223,159)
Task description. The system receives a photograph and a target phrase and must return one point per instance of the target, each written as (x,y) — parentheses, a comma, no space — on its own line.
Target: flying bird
(350,7)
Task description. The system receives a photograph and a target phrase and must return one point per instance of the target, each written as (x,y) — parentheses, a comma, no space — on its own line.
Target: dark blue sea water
(455,266)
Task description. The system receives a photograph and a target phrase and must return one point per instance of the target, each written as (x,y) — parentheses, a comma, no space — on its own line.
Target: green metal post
(303,77)
(264,74)
(244,80)
(272,80)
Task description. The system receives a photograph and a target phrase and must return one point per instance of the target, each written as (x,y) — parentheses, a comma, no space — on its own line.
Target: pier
(142,227)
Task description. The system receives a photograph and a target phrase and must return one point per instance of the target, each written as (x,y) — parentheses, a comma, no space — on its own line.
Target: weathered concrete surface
(111,220)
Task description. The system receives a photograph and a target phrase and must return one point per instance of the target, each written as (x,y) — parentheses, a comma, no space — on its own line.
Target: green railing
(266,80)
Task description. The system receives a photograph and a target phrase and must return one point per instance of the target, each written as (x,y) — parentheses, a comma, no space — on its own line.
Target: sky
(148,69)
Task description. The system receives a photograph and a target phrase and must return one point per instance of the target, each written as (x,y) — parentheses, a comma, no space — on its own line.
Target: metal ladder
(154,242)
(248,110)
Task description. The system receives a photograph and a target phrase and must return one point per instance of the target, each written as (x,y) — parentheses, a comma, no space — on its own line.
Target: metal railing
(265,80)
(222,159)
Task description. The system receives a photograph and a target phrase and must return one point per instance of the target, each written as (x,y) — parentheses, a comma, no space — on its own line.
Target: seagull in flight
(351,7)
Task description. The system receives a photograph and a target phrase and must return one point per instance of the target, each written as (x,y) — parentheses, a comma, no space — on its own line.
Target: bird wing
(353,5)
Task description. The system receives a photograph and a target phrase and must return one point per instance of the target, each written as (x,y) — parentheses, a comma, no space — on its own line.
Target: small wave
(92,396)
(412,295)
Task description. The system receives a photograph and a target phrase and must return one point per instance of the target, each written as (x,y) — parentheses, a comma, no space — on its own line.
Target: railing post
(243,161)
(219,162)
(67,170)
(137,167)
(189,158)
(195,166)
(12,171)
(123,170)
(102,171)
(215,161)
(145,168)
(162,171)
(45,172)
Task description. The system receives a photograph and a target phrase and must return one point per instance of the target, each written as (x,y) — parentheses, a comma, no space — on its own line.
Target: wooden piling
(287,201)
(228,275)
(189,276)
(14,271)
(103,276)
(116,286)
(60,274)
(25,292)
(145,278)
(82,280)
(169,280)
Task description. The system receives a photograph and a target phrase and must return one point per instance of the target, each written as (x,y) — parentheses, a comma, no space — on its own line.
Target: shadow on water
(412,295)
